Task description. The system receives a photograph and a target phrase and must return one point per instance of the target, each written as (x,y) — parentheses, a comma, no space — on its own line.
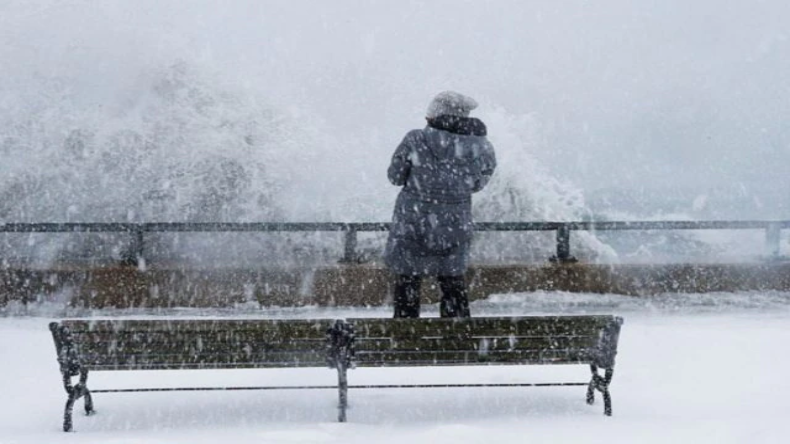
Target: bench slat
(91,356)
(209,365)
(532,326)
(491,343)
(202,341)
(435,357)
(267,327)
(99,360)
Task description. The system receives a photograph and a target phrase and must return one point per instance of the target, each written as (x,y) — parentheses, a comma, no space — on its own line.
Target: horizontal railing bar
(261,226)
(322,387)
(676,225)
(517,226)
(121,227)
(65,227)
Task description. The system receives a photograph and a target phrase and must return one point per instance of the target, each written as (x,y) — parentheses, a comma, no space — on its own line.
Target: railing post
(563,242)
(772,237)
(563,245)
(134,256)
(350,245)
(139,245)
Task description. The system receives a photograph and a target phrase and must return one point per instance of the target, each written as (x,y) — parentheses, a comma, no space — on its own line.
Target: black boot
(455,299)
(406,297)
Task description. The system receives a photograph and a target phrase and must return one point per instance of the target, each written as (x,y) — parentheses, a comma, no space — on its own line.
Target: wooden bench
(85,345)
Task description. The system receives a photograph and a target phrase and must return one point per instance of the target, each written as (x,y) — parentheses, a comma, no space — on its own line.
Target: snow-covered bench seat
(102,345)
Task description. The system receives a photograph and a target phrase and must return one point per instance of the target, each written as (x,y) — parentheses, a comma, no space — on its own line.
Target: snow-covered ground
(691,368)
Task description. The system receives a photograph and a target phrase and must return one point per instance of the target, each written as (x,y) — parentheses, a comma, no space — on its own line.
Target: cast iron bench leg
(340,352)
(600,383)
(76,392)
(342,385)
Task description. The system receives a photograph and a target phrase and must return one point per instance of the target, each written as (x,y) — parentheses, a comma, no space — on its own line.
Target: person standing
(438,167)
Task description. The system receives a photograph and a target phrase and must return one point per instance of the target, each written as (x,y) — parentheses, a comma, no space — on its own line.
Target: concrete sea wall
(360,285)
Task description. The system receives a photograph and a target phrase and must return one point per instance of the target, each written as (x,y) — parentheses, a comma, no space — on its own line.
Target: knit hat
(450,103)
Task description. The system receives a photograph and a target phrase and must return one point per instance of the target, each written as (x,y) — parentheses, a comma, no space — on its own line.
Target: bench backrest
(193,344)
(255,343)
(492,340)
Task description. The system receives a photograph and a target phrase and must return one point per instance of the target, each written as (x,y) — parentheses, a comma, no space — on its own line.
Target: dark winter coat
(439,168)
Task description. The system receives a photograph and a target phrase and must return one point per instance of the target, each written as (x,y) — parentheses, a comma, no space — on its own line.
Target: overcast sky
(622,93)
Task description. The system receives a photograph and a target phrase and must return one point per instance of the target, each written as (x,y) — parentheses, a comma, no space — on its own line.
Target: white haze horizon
(267,110)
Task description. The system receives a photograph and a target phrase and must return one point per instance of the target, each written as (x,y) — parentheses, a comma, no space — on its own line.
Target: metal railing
(563,230)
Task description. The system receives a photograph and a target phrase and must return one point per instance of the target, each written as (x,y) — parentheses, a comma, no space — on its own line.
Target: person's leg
(406,297)
(455,299)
